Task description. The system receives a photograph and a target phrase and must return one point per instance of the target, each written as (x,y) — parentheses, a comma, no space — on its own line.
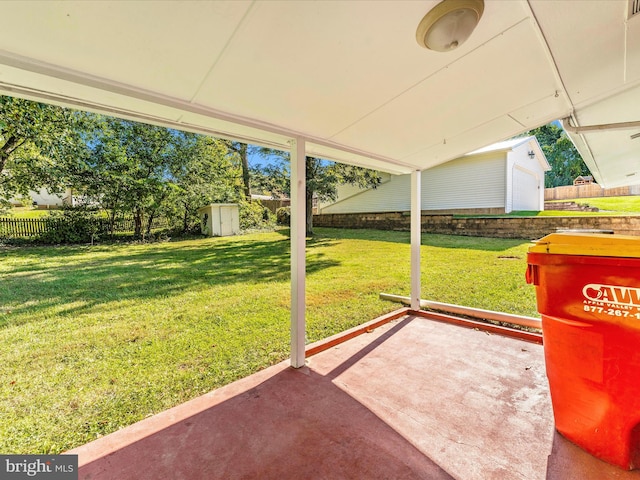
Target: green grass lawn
(27,212)
(609,206)
(625,205)
(96,338)
(562,213)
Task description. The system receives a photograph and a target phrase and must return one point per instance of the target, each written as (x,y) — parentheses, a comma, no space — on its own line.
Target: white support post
(416,230)
(298,260)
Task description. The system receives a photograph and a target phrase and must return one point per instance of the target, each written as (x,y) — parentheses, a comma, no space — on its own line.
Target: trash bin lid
(588,244)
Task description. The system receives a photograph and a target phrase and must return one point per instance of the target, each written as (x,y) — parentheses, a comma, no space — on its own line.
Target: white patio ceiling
(347,76)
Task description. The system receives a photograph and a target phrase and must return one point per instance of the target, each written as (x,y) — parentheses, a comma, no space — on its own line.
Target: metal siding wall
(468,182)
(350,197)
(476,182)
(392,196)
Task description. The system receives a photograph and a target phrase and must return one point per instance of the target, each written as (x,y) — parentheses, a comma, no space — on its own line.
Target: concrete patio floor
(414,398)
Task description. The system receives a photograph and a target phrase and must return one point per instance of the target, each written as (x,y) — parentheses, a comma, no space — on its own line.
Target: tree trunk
(310,165)
(185,219)
(245,171)
(137,219)
(309,222)
(112,221)
(3,160)
(150,223)
(9,146)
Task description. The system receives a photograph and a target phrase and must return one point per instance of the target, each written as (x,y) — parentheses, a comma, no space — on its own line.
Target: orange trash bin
(588,294)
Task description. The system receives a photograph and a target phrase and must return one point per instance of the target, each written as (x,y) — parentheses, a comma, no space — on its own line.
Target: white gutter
(566,124)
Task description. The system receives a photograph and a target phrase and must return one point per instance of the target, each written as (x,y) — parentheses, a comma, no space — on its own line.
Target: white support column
(416,230)
(298,259)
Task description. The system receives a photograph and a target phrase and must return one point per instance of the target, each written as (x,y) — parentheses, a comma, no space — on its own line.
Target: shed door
(226,221)
(526,195)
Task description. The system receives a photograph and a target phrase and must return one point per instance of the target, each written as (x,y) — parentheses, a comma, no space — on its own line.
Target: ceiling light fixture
(449,24)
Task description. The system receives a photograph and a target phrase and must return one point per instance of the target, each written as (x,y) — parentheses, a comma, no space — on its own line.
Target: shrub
(71,225)
(283,216)
(255,216)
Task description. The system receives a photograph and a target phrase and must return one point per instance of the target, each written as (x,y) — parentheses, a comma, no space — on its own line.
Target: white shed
(496,179)
(220,219)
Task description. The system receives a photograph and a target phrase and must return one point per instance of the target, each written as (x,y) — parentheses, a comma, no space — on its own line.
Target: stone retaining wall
(499,227)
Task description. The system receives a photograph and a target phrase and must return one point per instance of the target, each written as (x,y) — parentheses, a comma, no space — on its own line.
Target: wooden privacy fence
(275,204)
(12,228)
(571,192)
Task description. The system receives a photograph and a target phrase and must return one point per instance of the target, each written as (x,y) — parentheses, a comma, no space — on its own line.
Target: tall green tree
(242,149)
(148,171)
(204,172)
(566,162)
(35,139)
(322,179)
(127,168)
(271,179)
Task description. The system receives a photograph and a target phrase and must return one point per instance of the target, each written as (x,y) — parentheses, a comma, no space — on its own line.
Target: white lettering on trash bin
(613,300)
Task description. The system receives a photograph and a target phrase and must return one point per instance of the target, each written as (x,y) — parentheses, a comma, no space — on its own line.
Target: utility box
(220,219)
(588,294)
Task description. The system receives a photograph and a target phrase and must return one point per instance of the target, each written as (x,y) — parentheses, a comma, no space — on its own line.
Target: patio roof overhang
(345,80)
(349,77)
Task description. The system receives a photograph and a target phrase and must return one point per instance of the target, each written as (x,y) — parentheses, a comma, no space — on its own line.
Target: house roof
(506,145)
(348,77)
(513,143)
